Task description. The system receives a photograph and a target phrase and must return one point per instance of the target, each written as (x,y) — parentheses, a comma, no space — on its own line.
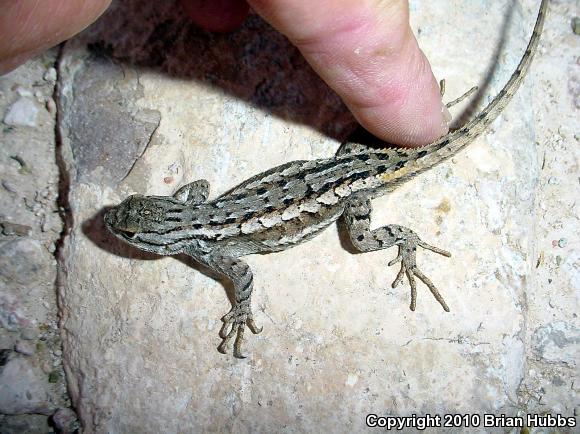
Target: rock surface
(148,102)
(22,390)
(32,383)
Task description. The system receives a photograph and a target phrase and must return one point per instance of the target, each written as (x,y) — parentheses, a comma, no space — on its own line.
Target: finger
(28,27)
(365,51)
(216,15)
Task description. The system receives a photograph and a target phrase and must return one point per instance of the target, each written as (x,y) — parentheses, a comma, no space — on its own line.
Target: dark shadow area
(227,284)
(344,239)
(254,63)
(474,102)
(95,230)
(362,136)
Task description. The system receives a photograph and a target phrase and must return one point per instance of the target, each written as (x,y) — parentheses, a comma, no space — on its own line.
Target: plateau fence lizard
(292,203)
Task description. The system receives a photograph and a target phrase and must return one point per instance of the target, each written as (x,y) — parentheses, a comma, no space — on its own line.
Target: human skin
(363,49)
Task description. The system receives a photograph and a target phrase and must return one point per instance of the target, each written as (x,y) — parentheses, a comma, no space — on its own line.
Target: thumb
(28,27)
(365,50)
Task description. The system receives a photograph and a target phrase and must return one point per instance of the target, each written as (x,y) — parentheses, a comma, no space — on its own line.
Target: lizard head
(138,219)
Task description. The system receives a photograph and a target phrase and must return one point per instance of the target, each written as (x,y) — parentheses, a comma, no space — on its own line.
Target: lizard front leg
(195,192)
(240,316)
(357,216)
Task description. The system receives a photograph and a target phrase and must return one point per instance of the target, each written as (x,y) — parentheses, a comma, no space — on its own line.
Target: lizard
(292,203)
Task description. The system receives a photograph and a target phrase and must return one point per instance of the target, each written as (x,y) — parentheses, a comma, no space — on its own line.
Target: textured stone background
(147,102)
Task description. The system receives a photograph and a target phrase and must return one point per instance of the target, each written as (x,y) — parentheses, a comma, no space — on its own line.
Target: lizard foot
(407,257)
(236,321)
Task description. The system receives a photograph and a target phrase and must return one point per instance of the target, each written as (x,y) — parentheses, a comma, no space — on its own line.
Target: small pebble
(65,420)
(168,179)
(8,186)
(552,180)
(50,74)
(22,113)
(9,228)
(562,242)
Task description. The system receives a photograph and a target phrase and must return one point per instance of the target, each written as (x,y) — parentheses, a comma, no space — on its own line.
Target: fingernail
(447,118)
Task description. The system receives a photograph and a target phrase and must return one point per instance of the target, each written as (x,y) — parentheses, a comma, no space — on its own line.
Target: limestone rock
(140,331)
(22,113)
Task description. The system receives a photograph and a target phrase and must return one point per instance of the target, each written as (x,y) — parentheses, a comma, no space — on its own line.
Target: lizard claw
(235,322)
(407,257)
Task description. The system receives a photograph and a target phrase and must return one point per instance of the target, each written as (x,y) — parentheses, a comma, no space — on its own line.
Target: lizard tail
(448,145)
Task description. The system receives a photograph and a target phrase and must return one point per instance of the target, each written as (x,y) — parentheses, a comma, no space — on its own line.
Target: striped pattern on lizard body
(291,203)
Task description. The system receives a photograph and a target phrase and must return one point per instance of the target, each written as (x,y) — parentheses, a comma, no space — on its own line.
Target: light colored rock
(65,420)
(9,228)
(50,74)
(11,316)
(22,113)
(22,389)
(140,332)
(22,261)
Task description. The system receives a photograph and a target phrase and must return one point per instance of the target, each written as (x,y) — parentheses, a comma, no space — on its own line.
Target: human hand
(28,27)
(363,49)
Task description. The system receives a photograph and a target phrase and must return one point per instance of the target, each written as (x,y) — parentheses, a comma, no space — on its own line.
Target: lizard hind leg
(456,100)
(236,321)
(241,314)
(461,98)
(357,217)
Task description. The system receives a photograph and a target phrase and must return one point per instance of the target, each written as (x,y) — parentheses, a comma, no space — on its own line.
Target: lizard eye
(128,234)
(146,212)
